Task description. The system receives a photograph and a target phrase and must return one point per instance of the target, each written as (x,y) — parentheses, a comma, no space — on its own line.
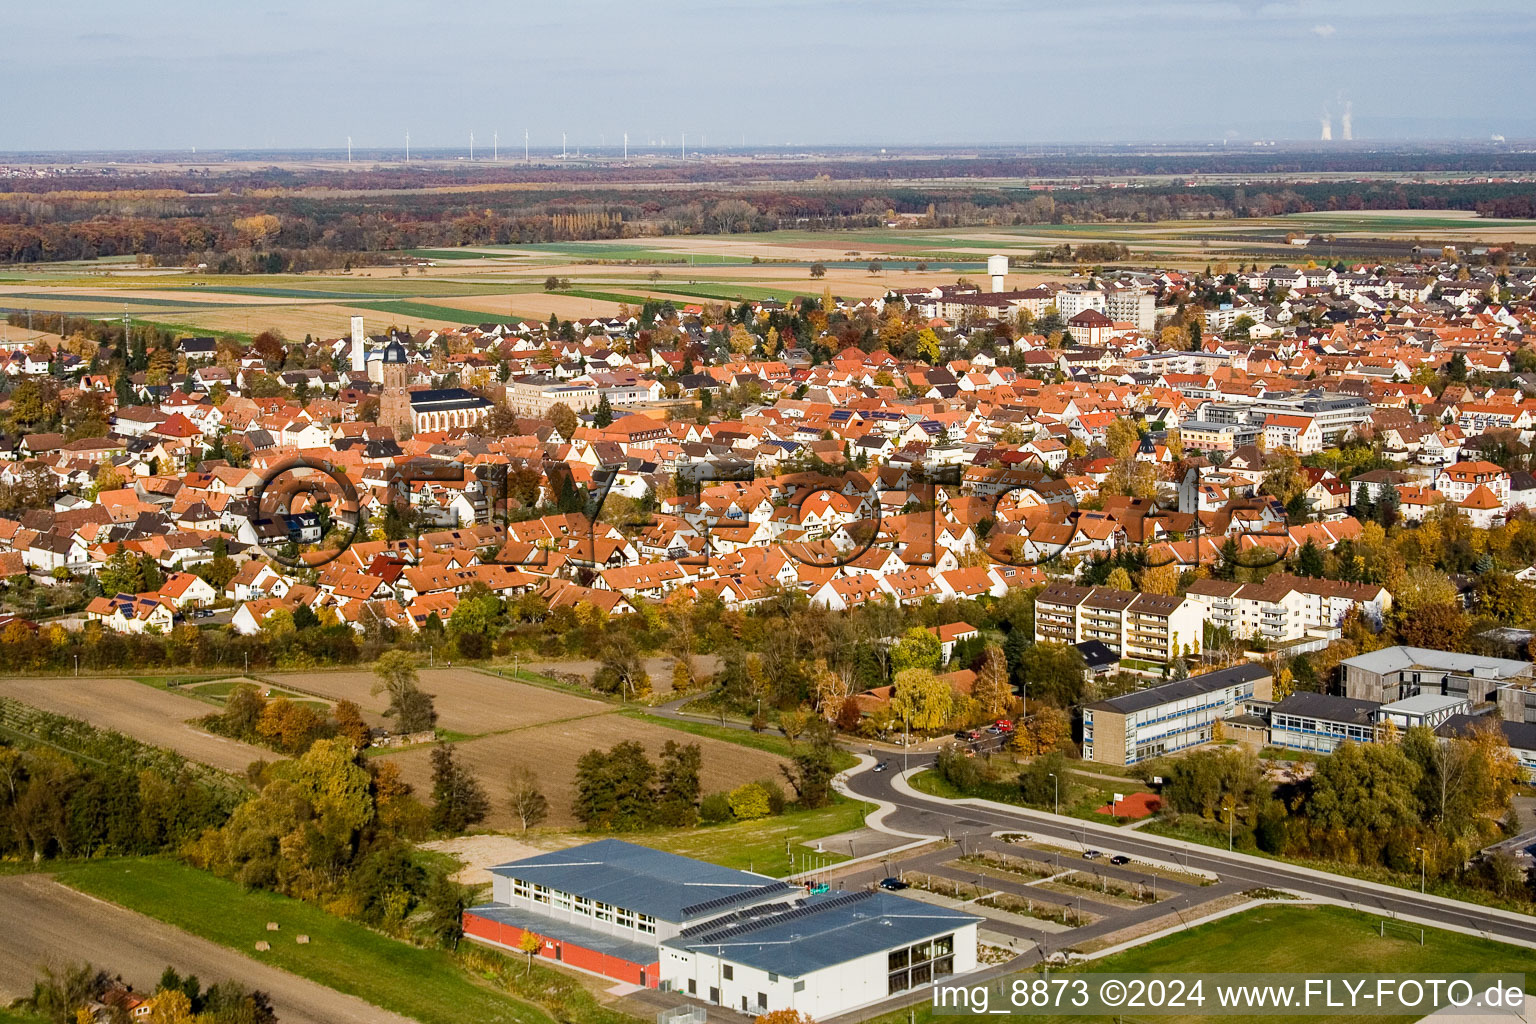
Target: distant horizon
(510,154)
(171,74)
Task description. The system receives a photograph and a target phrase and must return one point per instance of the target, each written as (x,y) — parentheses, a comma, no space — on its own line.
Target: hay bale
(271,926)
(263,946)
(303,940)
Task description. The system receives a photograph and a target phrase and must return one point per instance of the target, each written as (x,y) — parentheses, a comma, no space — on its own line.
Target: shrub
(749,802)
(776,796)
(714,809)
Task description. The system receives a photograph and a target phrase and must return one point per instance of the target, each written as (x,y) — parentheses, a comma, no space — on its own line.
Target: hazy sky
(172,74)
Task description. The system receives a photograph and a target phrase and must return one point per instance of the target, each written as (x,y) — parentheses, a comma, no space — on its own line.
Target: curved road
(917,814)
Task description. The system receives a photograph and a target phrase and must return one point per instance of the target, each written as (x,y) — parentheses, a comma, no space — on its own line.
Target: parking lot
(1042,895)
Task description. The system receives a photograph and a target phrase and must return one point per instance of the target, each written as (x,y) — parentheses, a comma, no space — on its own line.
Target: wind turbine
(407,147)
(525,145)
(471,147)
(495,146)
(349,149)
(626,147)
(562,145)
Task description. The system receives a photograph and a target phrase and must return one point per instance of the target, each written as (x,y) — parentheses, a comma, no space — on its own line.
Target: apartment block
(1149,627)
(1286,607)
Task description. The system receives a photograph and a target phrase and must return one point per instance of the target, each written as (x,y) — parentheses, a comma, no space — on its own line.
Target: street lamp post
(1423,857)
(906,739)
(1230,815)
(1056,789)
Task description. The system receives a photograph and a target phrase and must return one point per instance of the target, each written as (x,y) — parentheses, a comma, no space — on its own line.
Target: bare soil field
(467,701)
(326,319)
(48,923)
(482,852)
(553,749)
(152,716)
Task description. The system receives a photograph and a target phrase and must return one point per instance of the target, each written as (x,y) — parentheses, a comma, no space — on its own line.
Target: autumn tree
(411,710)
(921,699)
(992,690)
(917,648)
(1441,626)
(529,945)
(785,1016)
(563,419)
(350,724)
(525,798)
(1042,731)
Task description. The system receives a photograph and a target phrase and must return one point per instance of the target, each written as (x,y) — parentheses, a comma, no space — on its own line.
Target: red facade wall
(613,967)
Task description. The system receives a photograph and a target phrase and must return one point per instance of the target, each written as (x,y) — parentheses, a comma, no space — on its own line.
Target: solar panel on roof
(804,910)
(725,901)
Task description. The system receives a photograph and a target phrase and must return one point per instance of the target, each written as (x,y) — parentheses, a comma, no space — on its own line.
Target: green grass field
(773,743)
(8,1016)
(1080,798)
(1280,939)
(761,845)
(426,311)
(424,984)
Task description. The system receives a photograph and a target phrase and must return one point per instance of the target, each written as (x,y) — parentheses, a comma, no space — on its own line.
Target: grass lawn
(1297,939)
(1079,799)
(771,742)
(19,1017)
(420,983)
(759,845)
(428,311)
(1191,829)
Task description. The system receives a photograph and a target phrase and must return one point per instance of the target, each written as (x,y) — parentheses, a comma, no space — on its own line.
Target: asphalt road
(931,816)
(48,923)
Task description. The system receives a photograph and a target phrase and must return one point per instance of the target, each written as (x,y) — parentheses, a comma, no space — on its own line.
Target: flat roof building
(727,937)
(1319,722)
(1393,673)
(1174,716)
(1425,709)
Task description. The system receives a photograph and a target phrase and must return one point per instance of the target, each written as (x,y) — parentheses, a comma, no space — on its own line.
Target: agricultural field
(502,282)
(553,748)
(154,716)
(412,983)
(468,702)
(503,722)
(48,923)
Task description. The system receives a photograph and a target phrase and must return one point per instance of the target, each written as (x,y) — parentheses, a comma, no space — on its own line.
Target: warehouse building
(729,938)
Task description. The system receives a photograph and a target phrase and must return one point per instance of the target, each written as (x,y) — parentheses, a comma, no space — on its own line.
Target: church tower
(395,402)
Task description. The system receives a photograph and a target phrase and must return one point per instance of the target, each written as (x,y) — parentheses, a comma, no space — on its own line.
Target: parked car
(893,884)
(1092,854)
(1119,858)
(962,734)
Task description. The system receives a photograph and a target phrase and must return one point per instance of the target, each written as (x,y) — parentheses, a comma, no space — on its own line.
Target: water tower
(997,269)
